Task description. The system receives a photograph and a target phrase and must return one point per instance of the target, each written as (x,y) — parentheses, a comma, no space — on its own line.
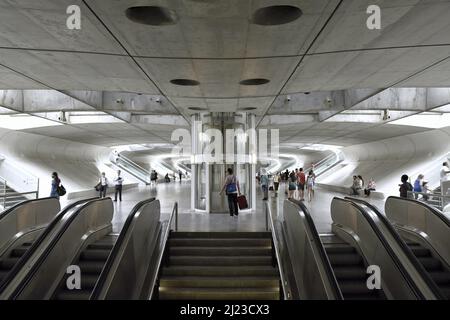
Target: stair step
(94,255)
(354,273)
(93,267)
(420,251)
(217,242)
(220,260)
(440,277)
(216,282)
(216,235)
(237,271)
(339,248)
(354,287)
(74,294)
(220,251)
(100,246)
(430,263)
(365,296)
(8,263)
(19,252)
(219,294)
(346,259)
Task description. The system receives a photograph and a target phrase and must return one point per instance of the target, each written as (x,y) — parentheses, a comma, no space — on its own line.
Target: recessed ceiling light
(276,15)
(247,108)
(185,82)
(152,15)
(197,108)
(254,82)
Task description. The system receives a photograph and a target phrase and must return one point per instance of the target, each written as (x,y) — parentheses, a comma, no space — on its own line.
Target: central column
(221,141)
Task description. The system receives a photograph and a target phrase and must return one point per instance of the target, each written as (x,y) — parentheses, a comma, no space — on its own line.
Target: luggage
(242,202)
(271,188)
(60,190)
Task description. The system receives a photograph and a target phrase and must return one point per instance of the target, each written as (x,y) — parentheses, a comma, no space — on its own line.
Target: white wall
(386,160)
(78,165)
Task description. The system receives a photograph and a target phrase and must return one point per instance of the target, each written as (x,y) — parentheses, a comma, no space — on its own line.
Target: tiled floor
(168,193)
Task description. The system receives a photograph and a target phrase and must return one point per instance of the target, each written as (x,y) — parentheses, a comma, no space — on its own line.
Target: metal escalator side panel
(24,217)
(90,221)
(126,267)
(37,246)
(420,218)
(355,225)
(418,274)
(312,269)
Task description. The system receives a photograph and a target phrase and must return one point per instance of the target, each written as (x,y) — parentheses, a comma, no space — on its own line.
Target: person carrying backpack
(405,187)
(232,189)
(57,188)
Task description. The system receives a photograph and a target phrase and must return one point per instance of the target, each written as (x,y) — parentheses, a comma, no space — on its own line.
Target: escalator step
(440,277)
(354,287)
(100,246)
(354,273)
(446,291)
(420,251)
(18,252)
(94,255)
(365,296)
(3,274)
(345,259)
(92,267)
(8,263)
(88,281)
(430,263)
(75,294)
(339,248)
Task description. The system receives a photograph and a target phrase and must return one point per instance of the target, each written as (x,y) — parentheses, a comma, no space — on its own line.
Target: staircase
(8,262)
(350,270)
(91,262)
(10,198)
(437,271)
(219,266)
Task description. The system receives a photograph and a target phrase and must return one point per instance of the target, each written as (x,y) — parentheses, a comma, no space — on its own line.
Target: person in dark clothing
(405,186)
(118,181)
(232,189)
(55,184)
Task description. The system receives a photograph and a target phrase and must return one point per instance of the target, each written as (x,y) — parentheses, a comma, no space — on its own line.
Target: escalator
(8,262)
(349,268)
(426,232)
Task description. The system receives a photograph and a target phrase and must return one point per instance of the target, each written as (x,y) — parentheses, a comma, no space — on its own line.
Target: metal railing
(165,237)
(131,167)
(436,200)
(276,246)
(326,163)
(7,198)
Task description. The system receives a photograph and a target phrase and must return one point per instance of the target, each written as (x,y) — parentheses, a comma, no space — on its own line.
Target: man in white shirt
(444,174)
(103,185)
(118,181)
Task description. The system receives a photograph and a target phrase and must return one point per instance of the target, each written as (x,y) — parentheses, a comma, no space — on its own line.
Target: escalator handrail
(432,209)
(116,248)
(386,246)
(4,213)
(320,249)
(50,247)
(19,265)
(406,250)
(132,163)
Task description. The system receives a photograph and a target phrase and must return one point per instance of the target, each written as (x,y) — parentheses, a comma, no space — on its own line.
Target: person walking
(118,181)
(103,185)
(444,177)
(276,181)
(265,184)
(55,184)
(310,180)
(180,174)
(232,189)
(301,180)
(292,185)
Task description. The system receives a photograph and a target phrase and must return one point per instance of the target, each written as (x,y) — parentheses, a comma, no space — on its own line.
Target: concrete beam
(170,120)
(280,120)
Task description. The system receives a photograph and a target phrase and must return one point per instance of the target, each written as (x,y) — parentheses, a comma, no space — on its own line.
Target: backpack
(60,190)
(231,187)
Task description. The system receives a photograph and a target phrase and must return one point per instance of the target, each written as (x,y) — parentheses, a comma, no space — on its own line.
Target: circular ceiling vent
(276,15)
(247,108)
(152,15)
(254,82)
(197,108)
(185,82)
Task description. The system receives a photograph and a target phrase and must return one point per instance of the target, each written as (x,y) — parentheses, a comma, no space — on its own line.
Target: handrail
(132,163)
(433,210)
(286,292)
(50,247)
(441,198)
(320,249)
(406,250)
(19,265)
(161,253)
(7,211)
(116,248)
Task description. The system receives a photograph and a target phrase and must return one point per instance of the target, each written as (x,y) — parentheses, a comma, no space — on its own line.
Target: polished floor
(169,193)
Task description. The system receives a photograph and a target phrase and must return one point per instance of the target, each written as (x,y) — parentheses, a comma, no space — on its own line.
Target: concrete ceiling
(124,68)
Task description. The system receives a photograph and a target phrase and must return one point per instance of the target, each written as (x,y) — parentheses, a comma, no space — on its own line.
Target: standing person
(426,190)
(371,186)
(180,174)
(265,184)
(153,177)
(444,173)
(405,186)
(276,181)
(292,184)
(118,181)
(310,184)
(301,180)
(418,185)
(103,185)
(232,189)
(55,184)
